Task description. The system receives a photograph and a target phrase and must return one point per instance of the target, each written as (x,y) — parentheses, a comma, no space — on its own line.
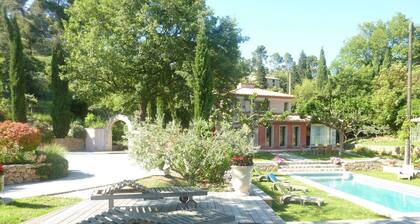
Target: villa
(294,132)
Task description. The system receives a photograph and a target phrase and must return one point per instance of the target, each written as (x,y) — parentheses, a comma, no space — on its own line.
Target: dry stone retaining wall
(362,165)
(71,144)
(21,173)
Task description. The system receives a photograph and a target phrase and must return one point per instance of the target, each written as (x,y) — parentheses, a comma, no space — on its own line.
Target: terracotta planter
(1,183)
(241,179)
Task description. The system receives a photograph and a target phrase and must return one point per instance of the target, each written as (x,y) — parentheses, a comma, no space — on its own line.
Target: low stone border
(260,193)
(22,173)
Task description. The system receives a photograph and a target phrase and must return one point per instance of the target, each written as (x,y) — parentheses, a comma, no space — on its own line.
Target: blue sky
(295,25)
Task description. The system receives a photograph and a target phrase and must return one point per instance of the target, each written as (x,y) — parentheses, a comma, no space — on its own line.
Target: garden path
(86,170)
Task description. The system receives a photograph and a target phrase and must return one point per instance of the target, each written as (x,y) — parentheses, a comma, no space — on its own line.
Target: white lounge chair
(406,172)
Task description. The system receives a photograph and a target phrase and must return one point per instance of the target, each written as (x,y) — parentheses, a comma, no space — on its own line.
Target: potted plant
(1,178)
(242,166)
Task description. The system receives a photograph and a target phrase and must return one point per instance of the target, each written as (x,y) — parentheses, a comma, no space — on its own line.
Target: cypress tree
(16,69)
(322,72)
(258,58)
(202,77)
(160,109)
(386,63)
(60,113)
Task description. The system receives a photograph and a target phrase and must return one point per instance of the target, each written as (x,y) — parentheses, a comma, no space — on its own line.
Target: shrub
(77,130)
(47,134)
(27,137)
(58,164)
(93,121)
(201,153)
(11,153)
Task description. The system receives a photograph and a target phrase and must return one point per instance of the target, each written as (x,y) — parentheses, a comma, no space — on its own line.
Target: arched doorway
(111,122)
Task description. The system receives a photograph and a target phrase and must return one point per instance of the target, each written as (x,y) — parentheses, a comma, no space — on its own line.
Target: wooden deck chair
(129,189)
(149,215)
(287,197)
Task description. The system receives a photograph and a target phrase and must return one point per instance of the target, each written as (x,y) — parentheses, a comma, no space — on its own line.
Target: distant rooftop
(249,89)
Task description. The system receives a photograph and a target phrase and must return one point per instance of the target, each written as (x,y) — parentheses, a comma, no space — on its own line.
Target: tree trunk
(341,142)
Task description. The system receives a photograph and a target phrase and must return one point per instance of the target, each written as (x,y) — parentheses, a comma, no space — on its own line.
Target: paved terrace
(249,209)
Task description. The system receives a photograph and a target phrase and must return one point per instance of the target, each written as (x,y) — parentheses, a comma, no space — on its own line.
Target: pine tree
(322,72)
(259,56)
(16,68)
(60,112)
(202,77)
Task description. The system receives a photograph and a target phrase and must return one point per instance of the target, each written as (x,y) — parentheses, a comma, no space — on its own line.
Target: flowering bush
(11,153)
(201,153)
(27,137)
(242,160)
(1,170)
(278,160)
(335,160)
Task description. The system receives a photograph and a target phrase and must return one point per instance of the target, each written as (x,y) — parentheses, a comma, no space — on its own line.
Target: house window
(269,136)
(283,135)
(286,106)
(296,136)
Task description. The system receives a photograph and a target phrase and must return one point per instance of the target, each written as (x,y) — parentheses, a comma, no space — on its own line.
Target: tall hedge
(16,68)
(60,113)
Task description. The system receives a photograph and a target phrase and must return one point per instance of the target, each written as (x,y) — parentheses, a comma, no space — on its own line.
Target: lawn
(326,156)
(390,176)
(24,209)
(263,157)
(385,141)
(334,209)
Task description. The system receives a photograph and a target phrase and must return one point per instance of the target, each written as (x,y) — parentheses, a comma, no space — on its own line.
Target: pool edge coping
(372,206)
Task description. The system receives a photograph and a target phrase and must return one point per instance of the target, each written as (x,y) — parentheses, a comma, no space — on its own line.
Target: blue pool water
(390,198)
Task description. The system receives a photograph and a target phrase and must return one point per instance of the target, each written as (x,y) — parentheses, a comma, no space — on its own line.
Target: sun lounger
(302,199)
(136,215)
(131,190)
(277,182)
(287,197)
(407,172)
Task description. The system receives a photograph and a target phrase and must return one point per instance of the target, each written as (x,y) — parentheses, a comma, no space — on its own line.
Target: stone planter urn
(241,179)
(241,172)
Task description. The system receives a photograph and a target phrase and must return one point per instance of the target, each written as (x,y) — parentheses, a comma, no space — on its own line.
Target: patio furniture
(320,149)
(129,189)
(277,183)
(302,199)
(287,197)
(329,149)
(149,215)
(407,172)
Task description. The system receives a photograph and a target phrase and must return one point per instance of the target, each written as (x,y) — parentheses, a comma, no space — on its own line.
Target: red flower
(1,169)
(22,134)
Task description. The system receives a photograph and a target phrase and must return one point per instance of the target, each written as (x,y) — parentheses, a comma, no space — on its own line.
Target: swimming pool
(386,196)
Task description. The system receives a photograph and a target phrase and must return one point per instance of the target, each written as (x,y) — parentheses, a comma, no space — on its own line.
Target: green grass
(327,156)
(263,157)
(333,209)
(390,176)
(24,209)
(385,141)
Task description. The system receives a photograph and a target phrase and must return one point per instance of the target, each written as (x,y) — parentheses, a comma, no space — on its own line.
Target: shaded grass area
(389,176)
(263,157)
(178,181)
(21,210)
(326,156)
(333,209)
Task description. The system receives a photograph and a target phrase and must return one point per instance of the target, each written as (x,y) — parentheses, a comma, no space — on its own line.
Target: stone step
(310,170)
(308,166)
(308,162)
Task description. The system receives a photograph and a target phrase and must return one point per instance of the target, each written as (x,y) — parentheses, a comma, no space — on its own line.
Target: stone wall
(21,173)
(363,165)
(71,144)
